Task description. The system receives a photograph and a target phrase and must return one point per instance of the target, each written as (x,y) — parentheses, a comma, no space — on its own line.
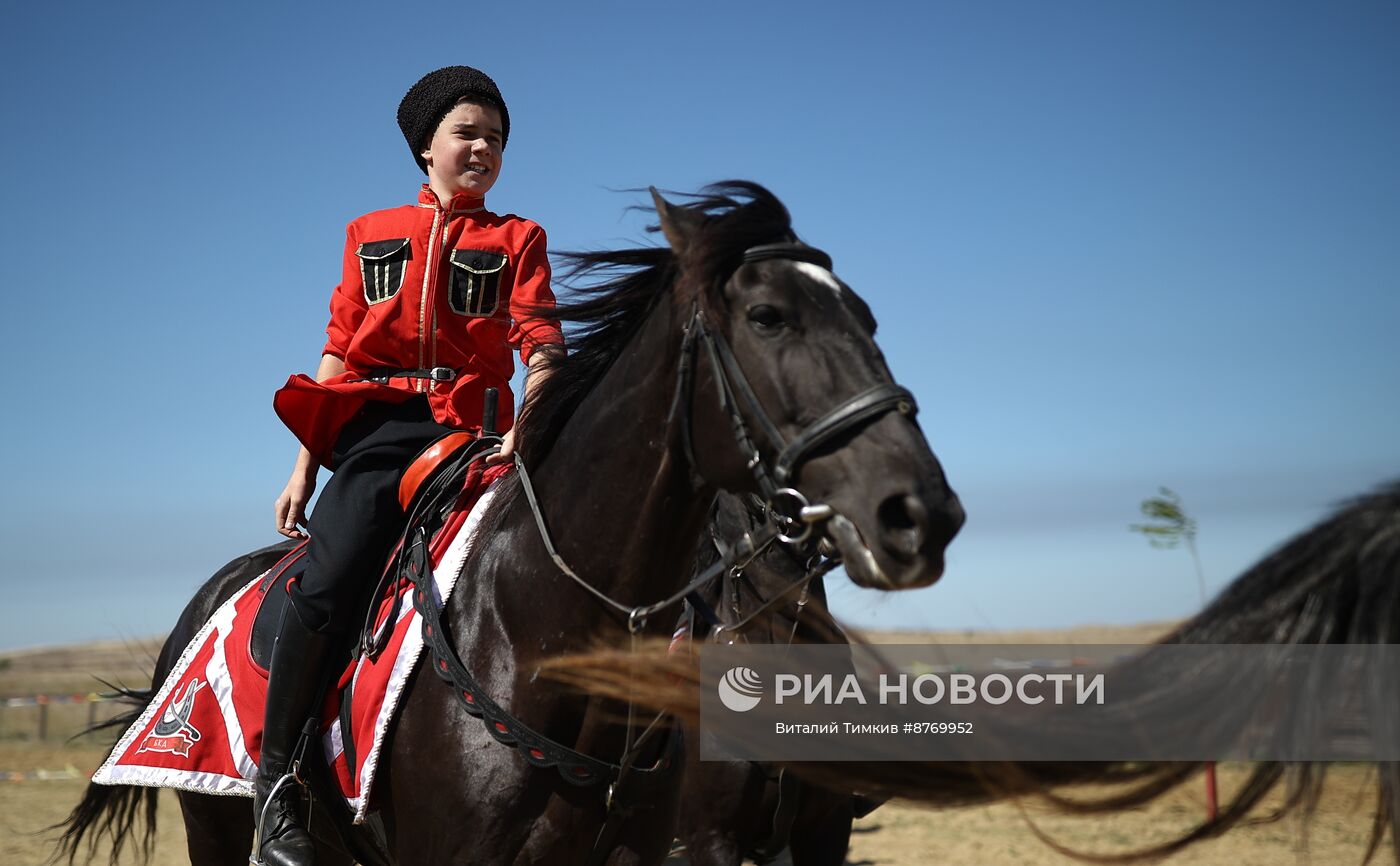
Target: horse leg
(821,833)
(218,830)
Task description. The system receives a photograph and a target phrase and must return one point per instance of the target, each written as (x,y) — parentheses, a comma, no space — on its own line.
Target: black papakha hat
(428,101)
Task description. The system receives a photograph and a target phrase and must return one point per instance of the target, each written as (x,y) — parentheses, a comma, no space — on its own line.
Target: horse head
(785,367)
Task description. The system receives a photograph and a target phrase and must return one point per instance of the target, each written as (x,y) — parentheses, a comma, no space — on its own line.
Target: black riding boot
(299,661)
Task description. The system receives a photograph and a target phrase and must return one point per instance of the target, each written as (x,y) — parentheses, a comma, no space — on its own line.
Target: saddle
(428,467)
(424,482)
(429,464)
(264,632)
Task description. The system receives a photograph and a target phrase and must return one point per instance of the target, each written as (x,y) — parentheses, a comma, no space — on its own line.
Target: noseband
(784,502)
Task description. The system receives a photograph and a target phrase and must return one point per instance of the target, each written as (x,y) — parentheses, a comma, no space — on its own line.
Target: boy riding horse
(433,299)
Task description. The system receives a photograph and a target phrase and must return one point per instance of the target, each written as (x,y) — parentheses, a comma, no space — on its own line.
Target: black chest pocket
(382,265)
(475,288)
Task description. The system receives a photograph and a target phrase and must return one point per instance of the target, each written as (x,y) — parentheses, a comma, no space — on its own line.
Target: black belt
(382,375)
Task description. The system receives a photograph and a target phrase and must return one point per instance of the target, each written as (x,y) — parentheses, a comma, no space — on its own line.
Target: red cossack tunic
(426,286)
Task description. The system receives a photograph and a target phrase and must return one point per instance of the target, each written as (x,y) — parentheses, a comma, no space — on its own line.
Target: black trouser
(358,518)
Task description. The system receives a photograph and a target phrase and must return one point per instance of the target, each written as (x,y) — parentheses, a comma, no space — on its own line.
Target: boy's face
(464,155)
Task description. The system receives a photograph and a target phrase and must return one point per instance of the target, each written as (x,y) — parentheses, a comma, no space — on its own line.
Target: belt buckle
(442,374)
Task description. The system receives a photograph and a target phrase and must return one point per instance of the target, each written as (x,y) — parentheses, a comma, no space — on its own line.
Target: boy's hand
(290,509)
(507,451)
(540,370)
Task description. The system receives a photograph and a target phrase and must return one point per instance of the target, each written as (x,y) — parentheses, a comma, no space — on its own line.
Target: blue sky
(1111,246)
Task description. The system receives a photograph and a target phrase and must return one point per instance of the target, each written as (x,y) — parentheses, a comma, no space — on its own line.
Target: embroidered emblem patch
(174,733)
(475,289)
(382,266)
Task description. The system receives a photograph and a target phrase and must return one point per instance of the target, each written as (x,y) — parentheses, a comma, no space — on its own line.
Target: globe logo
(741,689)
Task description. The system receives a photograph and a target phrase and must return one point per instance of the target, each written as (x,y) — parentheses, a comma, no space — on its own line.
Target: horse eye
(766,317)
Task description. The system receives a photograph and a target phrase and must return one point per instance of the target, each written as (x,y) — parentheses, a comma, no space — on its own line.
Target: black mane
(612,291)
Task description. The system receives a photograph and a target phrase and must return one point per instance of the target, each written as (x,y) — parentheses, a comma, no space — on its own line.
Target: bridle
(785,504)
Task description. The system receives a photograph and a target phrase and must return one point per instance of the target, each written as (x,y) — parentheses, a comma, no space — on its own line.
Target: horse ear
(677,223)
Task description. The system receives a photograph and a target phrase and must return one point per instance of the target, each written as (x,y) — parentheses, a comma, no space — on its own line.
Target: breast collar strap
(785,503)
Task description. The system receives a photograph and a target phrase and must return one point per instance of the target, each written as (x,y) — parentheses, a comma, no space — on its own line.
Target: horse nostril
(953,517)
(903,525)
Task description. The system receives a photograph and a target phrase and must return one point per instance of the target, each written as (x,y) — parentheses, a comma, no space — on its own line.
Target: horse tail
(123,813)
(1334,583)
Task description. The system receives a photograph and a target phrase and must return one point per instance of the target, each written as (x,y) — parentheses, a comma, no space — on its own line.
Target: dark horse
(733,360)
(1335,583)
(733,810)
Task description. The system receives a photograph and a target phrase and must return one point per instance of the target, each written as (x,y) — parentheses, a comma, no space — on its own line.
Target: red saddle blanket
(203,729)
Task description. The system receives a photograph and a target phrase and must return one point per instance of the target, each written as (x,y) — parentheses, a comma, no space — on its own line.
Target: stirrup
(255,858)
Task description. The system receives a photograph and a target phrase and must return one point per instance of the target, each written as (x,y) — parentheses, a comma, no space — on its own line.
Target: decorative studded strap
(576,767)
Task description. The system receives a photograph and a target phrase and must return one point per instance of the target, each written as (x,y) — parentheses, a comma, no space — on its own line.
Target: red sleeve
(531,298)
(348,305)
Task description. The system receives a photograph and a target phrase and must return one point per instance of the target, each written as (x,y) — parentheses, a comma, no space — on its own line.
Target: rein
(636,616)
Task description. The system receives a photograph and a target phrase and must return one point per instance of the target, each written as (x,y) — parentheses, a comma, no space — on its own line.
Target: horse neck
(616,489)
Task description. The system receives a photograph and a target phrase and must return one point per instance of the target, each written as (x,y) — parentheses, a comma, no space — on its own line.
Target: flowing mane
(611,292)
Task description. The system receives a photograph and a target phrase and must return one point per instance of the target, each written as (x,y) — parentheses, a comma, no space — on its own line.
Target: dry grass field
(893,835)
